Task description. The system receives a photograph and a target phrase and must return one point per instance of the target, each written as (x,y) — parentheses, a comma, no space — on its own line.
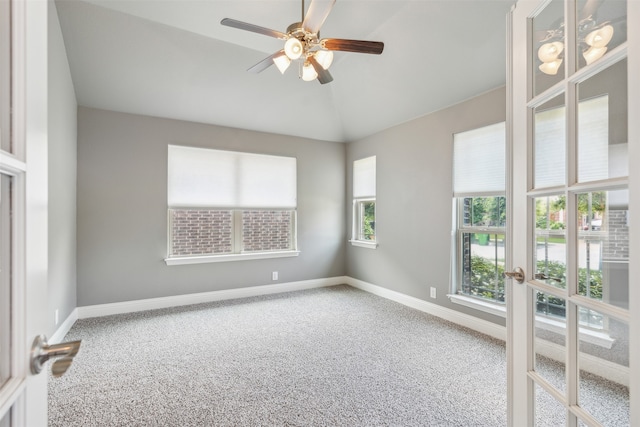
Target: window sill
(229,257)
(485,306)
(599,338)
(364,244)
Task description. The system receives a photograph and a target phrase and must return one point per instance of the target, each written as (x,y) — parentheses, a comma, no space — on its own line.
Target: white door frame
(520,307)
(519,410)
(26,394)
(36,227)
(633,36)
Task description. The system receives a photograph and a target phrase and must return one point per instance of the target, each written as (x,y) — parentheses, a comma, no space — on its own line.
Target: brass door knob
(517,274)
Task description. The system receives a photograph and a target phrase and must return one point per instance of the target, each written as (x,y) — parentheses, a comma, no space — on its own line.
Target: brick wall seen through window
(211,232)
(201,232)
(266,230)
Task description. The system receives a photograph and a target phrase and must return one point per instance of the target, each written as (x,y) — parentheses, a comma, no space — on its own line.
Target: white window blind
(479,161)
(364,177)
(200,177)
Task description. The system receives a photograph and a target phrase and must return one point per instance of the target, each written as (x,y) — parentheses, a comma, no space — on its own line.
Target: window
(480,213)
(364,203)
(482,242)
(226,205)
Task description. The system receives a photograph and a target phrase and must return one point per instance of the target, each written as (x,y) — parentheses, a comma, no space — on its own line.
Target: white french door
(23,207)
(574,124)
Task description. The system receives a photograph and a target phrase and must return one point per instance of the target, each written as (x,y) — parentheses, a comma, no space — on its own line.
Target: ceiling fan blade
(324,76)
(265,63)
(358,46)
(253,28)
(316,15)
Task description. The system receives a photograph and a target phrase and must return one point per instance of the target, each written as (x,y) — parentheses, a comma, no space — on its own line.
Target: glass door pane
(603,360)
(550,252)
(603,246)
(602,26)
(550,339)
(549,412)
(602,125)
(549,149)
(548,47)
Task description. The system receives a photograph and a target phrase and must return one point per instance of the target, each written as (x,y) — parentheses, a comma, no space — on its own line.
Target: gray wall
(122,208)
(414,198)
(62,178)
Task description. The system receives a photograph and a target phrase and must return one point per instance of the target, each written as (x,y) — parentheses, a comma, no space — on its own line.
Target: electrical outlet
(56,316)
(274,275)
(433,292)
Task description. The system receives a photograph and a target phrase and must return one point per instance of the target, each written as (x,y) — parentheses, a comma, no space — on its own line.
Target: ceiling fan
(303,44)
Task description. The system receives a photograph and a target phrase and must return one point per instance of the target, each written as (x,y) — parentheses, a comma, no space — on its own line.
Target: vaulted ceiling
(173,59)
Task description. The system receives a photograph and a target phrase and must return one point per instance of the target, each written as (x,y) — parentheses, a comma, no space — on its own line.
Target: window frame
(237,209)
(460,231)
(357,235)
(475,152)
(364,191)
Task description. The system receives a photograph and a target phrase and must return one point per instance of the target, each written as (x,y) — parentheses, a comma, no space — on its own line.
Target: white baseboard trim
(471,322)
(64,328)
(188,299)
(593,364)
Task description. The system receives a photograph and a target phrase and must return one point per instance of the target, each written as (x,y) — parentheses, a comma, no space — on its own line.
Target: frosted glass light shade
(600,37)
(308,72)
(593,54)
(551,68)
(293,48)
(549,51)
(282,62)
(324,58)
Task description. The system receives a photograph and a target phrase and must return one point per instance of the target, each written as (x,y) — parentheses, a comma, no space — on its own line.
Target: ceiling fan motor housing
(308,40)
(295,29)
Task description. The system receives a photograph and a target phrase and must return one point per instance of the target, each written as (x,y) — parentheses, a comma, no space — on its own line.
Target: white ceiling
(172,58)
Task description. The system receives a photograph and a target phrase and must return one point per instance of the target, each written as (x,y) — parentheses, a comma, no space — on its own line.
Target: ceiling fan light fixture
(282,62)
(549,52)
(550,68)
(324,58)
(600,37)
(308,72)
(293,48)
(302,44)
(593,54)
